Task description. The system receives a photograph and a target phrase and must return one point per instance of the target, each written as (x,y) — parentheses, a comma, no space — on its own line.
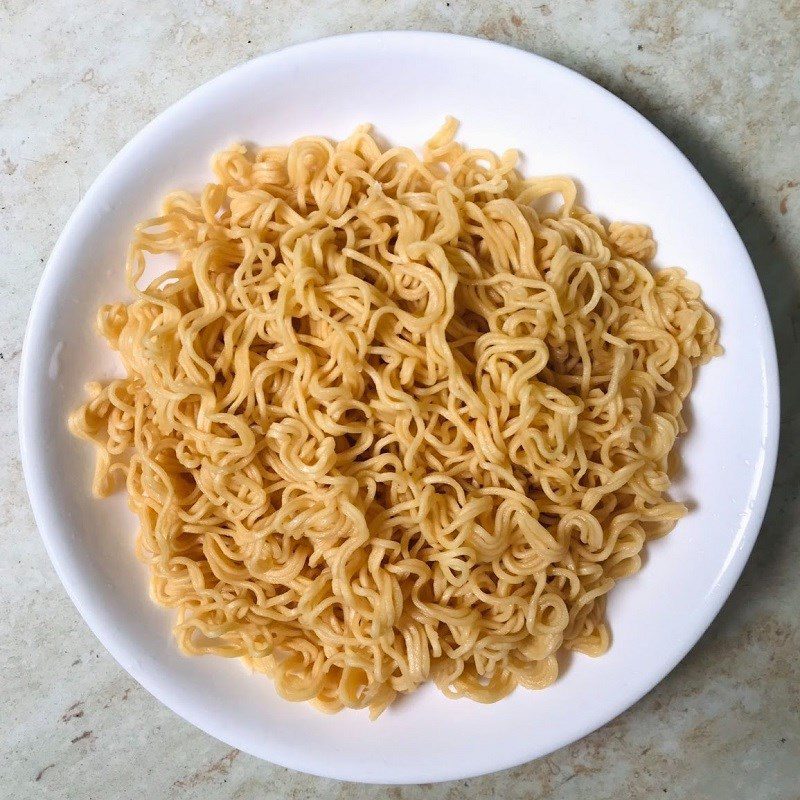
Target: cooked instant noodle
(389,420)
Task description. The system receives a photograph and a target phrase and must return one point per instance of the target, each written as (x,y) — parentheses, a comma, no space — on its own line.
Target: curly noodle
(388,421)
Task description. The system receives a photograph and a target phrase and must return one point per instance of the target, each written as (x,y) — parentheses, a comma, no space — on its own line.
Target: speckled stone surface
(722,79)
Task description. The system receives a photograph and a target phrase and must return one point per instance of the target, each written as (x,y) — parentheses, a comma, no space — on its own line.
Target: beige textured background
(78,79)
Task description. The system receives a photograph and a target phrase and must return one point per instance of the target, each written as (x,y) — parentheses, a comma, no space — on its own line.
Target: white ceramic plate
(405,83)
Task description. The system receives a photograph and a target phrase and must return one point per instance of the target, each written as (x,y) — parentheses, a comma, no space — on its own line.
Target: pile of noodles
(385,422)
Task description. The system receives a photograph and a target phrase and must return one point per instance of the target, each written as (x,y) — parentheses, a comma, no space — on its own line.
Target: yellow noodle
(387,421)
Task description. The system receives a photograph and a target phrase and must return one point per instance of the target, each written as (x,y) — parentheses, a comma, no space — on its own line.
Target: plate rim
(42,512)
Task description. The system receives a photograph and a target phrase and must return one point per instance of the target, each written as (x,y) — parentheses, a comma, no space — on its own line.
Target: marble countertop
(720,78)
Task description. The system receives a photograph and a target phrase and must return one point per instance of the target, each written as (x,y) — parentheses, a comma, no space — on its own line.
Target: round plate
(405,83)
